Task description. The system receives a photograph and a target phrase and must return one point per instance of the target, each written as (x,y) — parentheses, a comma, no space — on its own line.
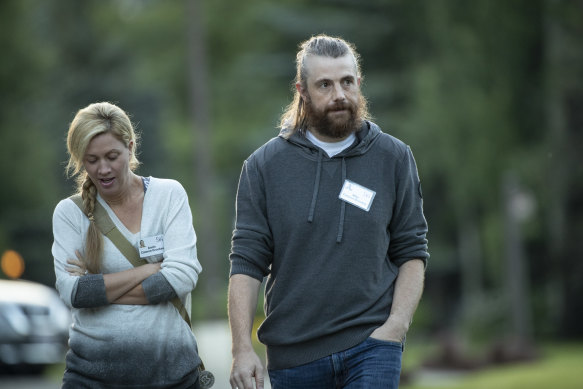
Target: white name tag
(357,195)
(152,245)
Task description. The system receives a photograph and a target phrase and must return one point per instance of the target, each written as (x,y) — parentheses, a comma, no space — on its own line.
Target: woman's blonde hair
(93,120)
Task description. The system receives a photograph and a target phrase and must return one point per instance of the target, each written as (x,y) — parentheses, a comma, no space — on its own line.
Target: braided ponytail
(93,120)
(94,243)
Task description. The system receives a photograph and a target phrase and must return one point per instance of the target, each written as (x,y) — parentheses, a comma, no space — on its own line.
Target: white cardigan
(146,345)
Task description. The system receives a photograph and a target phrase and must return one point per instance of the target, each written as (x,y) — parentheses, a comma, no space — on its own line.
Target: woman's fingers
(74,271)
(78,266)
(75,262)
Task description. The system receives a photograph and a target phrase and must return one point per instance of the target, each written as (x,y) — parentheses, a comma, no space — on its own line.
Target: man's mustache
(340,107)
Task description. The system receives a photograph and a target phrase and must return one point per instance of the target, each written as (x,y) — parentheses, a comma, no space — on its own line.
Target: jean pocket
(392,343)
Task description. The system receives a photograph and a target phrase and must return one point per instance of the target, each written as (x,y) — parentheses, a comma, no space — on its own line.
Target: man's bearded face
(336,121)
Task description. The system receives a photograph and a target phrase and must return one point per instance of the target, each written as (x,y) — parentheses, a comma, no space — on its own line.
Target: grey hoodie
(330,265)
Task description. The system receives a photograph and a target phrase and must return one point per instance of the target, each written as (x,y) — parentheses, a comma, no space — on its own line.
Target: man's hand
(393,330)
(246,369)
(408,290)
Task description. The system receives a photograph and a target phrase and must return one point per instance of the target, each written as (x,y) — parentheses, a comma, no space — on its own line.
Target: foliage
(478,89)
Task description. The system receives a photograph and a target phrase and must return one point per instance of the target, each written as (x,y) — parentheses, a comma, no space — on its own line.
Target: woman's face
(107,162)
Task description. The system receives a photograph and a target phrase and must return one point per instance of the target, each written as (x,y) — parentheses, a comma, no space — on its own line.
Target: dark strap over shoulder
(108,228)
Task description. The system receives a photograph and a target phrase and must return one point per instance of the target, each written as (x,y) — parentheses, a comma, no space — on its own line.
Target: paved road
(214,345)
(27,383)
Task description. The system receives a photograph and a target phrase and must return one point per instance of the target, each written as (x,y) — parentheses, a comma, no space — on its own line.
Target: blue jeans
(372,364)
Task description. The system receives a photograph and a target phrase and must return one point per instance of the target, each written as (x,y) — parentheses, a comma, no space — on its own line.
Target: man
(331,213)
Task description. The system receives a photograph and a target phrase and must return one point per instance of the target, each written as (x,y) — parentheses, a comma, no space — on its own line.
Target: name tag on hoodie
(357,195)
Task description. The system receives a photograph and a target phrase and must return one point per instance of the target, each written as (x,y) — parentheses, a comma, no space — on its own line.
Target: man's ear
(301,90)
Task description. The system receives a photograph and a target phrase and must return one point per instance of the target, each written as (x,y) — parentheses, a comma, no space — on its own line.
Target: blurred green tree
(477,89)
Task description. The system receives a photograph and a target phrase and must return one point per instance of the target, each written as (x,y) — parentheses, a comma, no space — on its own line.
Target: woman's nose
(103,168)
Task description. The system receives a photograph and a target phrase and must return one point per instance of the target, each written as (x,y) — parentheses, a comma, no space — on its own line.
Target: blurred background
(488,94)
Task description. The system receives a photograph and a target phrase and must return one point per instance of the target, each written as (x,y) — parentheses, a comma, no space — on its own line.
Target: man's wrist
(242,347)
(397,326)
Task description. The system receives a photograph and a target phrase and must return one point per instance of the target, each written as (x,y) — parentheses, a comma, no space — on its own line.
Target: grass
(559,367)
(55,372)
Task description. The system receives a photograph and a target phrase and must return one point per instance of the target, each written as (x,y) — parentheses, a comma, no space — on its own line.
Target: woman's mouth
(106,182)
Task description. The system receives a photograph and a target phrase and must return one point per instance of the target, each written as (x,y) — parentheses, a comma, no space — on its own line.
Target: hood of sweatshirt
(365,139)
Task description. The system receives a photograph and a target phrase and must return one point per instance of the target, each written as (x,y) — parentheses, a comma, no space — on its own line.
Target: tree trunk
(203,165)
(470,249)
(517,285)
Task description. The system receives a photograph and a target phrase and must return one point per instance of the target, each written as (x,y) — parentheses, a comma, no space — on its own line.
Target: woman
(126,332)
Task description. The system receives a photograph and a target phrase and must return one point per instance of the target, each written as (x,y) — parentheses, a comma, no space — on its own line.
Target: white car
(34,324)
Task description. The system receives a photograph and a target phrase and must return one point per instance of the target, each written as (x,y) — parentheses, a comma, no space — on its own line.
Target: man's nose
(339,93)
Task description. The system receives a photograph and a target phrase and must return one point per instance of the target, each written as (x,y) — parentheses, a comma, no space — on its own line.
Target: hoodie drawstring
(316,187)
(315,196)
(342,206)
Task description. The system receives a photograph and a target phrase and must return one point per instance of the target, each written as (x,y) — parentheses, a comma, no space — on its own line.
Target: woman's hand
(78,267)
(154,267)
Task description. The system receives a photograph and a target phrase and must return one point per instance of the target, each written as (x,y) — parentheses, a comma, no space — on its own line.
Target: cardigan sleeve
(69,224)
(157,289)
(180,267)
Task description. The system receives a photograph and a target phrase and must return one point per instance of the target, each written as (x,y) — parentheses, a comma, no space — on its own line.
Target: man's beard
(338,128)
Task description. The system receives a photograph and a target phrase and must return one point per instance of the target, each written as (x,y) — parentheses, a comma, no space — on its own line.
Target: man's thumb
(259,380)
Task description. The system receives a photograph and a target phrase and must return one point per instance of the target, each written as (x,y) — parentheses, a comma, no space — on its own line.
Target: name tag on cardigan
(152,245)
(357,195)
